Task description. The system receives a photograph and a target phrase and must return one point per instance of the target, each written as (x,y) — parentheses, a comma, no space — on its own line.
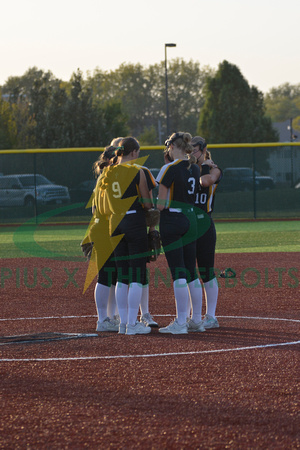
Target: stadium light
(167,100)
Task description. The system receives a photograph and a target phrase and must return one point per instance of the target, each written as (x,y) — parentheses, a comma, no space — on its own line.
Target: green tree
(129,85)
(283,102)
(186,81)
(39,98)
(25,125)
(17,126)
(233,111)
(128,100)
(56,136)
(8,129)
(19,88)
(91,122)
(148,137)
(114,121)
(143,96)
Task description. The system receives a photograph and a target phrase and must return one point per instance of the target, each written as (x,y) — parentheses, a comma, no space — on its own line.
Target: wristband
(205,169)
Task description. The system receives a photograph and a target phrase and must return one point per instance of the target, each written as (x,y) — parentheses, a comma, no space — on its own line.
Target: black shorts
(99,234)
(178,231)
(108,273)
(131,253)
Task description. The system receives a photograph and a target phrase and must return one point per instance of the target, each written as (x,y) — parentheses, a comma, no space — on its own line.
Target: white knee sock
(211,290)
(122,301)
(101,294)
(181,293)
(195,288)
(112,303)
(145,299)
(134,299)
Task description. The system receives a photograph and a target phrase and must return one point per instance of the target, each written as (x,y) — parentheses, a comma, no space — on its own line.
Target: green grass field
(63,241)
(242,237)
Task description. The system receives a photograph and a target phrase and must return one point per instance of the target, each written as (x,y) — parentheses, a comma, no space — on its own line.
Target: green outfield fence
(261,181)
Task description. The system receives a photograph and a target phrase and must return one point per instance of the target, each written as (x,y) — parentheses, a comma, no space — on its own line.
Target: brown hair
(127,145)
(167,155)
(103,160)
(116,141)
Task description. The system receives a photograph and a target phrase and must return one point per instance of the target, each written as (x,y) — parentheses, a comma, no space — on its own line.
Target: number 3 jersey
(182,180)
(205,197)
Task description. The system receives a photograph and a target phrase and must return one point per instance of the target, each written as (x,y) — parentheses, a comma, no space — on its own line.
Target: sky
(261,37)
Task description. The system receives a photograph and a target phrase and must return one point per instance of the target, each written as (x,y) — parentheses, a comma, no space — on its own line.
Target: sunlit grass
(64,241)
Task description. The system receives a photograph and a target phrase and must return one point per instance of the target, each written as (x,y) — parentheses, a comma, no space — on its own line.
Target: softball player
(178,183)
(146,316)
(211,175)
(104,292)
(107,274)
(121,184)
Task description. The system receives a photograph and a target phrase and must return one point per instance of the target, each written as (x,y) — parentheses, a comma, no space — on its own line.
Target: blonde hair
(183,141)
(207,155)
(192,159)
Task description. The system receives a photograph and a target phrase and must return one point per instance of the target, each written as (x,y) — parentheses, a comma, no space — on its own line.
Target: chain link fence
(260,181)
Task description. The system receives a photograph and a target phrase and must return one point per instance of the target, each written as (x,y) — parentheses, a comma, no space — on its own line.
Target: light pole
(167,100)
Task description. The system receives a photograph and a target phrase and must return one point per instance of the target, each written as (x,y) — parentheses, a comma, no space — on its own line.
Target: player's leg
(135,229)
(146,317)
(195,289)
(206,259)
(121,291)
(112,308)
(172,227)
(101,295)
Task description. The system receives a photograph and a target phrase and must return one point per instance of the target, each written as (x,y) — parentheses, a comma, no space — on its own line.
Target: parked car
(241,179)
(20,190)
(83,191)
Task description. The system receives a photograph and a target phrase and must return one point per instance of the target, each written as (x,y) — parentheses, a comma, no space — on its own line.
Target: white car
(21,190)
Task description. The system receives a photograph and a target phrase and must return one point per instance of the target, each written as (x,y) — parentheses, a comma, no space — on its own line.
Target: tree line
(38,110)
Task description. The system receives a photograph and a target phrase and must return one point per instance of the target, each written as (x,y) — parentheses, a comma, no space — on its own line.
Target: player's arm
(151,183)
(162,197)
(144,191)
(211,178)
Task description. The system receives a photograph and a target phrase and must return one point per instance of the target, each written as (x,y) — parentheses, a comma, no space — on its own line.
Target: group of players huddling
(120,230)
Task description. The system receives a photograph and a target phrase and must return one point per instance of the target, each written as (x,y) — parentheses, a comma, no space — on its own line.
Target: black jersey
(205,197)
(182,180)
(151,183)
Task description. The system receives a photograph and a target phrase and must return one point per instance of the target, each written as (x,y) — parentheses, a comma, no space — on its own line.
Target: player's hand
(210,163)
